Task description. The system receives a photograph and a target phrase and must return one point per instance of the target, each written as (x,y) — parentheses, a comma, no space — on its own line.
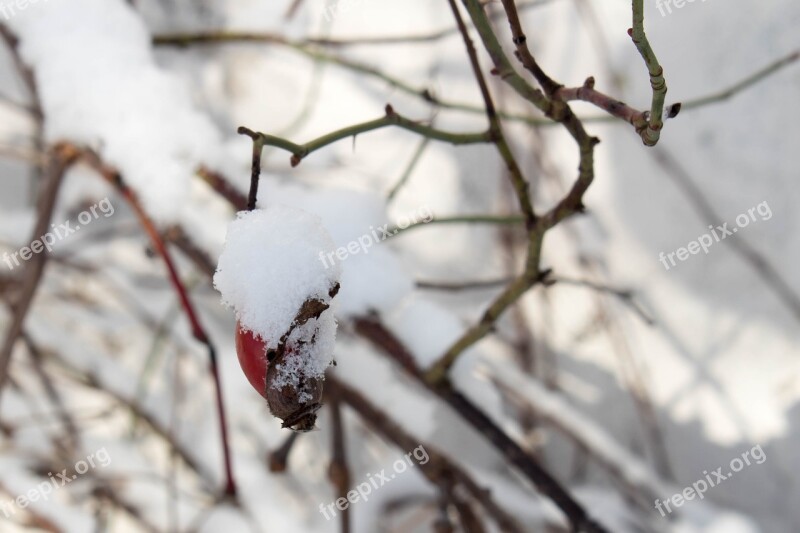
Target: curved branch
(300,151)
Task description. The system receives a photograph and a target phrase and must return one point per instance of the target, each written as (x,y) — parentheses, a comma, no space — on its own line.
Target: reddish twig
(198,331)
(223,187)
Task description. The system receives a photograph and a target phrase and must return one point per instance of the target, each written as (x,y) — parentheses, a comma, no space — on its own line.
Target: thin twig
(518,180)
(409,169)
(338,471)
(438,465)
(426,95)
(372,330)
(744,83)
(279,458)
(501,220)
(255,168)
(223,187)
(634,474)
(455,286)
(626,296)
(765,270)
(61,158)
(652,131)
(70,427)
(537,226)
(391,118)
(232,36)
(198,331)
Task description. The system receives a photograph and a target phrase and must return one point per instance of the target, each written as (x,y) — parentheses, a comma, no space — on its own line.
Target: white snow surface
(721,365)
(270,266)
(100,87)
(374,277)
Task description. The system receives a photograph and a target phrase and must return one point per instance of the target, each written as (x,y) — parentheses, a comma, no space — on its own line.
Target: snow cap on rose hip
(271,274)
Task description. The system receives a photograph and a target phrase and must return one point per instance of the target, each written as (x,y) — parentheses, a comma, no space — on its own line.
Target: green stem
(464,219)
(409,169)
(300,151)
(652,132)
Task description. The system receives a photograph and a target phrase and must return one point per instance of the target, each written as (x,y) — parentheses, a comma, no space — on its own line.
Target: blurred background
(627,381)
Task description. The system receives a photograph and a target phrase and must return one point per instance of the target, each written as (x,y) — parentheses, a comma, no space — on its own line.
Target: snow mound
(99,86)
(270,267)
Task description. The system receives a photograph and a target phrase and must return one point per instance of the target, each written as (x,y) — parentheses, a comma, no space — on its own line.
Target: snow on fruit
(270,274)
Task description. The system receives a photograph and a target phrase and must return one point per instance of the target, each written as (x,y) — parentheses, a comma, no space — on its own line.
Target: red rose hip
(252,353)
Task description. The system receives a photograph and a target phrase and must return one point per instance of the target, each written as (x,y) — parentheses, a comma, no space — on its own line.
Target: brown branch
(61,158)
(255,168)
(223,187)
(382,338)
(278,459)
(338,471)
(570,204)
(613,107)
(93,380)
(438,467)
(72,440)
(518,181)
(114,178)
(334,386)
(35,521)
(225,36)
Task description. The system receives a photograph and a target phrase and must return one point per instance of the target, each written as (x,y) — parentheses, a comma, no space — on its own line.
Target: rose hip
(252,353)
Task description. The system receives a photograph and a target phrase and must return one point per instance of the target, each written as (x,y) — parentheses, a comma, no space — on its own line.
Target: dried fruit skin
(284,402)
